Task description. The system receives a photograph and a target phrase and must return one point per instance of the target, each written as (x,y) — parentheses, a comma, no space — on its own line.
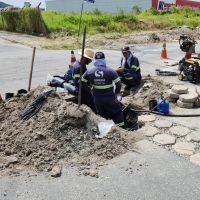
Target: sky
(20,3)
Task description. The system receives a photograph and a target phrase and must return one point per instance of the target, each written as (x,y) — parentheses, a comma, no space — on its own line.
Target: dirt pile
(149,88)
(59,132)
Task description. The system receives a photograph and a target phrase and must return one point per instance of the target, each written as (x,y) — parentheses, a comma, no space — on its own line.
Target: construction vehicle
(189,67)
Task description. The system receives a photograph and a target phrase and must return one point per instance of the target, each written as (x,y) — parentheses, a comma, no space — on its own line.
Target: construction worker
(129,71)
(86,95)
(106,85)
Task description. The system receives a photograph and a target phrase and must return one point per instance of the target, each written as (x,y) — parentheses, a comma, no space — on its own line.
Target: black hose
(165,115)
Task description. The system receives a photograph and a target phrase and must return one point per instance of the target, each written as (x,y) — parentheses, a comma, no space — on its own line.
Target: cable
(35,106)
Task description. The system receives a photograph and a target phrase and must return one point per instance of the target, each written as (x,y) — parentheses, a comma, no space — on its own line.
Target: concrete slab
(150,131)
(163,123)
(147,118)
(179,131)
(164,139)
(180,89)
(184,105)
(193,137)
(172,95)
(188,98)
(184,148)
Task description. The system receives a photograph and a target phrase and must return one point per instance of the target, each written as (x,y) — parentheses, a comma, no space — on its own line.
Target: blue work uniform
(106,84)
(86,95)
(132,73)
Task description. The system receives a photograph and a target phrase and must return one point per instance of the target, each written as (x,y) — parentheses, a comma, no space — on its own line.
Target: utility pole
(81,68)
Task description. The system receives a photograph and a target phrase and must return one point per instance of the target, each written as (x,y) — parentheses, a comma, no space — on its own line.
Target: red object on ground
(163,54)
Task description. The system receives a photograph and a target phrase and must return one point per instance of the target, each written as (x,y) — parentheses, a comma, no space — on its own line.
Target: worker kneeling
(129,71)
(106,85)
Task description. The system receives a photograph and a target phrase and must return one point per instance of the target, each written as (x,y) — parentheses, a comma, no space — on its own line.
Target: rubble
(58,133)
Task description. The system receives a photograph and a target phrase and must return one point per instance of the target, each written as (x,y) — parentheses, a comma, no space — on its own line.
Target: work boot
(125,93)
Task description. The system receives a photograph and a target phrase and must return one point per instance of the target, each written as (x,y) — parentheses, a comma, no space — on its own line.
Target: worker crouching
(105,86)
(129,71)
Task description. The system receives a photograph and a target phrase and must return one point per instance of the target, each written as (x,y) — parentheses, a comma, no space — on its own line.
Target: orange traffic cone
(163,54)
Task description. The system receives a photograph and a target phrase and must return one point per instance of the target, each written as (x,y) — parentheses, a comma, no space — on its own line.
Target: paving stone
(179,130)
(180,89)
(147,118)
(185,148)
(195,159)
(172,95)
(150,131)
(184,105)
(163,124)
(188,98)
(194,137)
(164,139)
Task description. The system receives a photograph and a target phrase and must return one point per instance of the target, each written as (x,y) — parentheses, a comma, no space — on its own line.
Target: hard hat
(125,48)
(99,55)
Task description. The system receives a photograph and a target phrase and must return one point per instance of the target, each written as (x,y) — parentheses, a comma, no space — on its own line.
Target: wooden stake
(81,68)
(31,71)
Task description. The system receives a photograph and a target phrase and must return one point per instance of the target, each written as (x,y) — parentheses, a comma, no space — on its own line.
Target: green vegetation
(27,20)
(99,22)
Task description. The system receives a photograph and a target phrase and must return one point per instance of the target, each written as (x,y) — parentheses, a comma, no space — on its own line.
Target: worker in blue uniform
(86,95)
(129,71)
(106,85)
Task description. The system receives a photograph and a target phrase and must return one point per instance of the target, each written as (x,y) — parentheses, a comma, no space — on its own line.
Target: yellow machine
(189,70)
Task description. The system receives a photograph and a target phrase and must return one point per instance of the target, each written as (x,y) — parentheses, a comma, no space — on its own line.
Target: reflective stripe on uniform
(116,80)
(120,124)
(128,78)
(84,80)
(102,87)
(76,76)
(135,67)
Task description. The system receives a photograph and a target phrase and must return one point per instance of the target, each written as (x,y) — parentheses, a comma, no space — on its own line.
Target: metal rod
(79,27)
(81,68)
(31,71)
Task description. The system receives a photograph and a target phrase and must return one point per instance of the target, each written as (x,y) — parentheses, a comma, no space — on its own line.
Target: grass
(100,22)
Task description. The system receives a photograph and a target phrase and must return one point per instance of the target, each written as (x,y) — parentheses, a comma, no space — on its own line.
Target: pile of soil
(150,88)
(59,132)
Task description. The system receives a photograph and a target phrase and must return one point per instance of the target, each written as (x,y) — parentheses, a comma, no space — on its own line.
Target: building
(102,5)
(167,4)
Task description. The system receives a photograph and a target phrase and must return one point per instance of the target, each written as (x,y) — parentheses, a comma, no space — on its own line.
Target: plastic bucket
(153,105)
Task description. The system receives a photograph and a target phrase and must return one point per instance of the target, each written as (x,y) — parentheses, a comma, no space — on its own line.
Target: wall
(102,5)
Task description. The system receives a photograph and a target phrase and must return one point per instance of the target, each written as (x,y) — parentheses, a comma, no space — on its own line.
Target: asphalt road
(154,174)
(16,61)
